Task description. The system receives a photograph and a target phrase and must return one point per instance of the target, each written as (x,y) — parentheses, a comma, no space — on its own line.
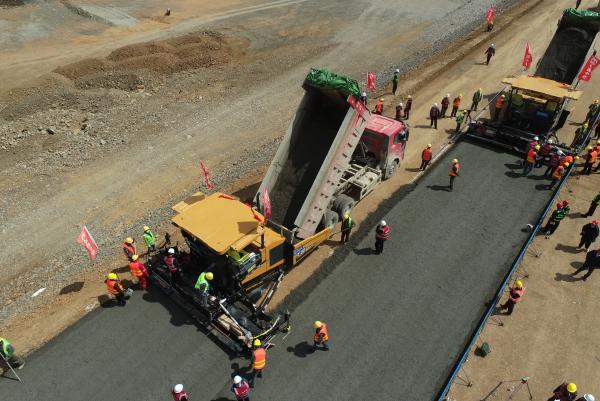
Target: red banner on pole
(266,201)
(588,68)
(86,239)
(206,175)
(491,13)
(371,78)
(527,57)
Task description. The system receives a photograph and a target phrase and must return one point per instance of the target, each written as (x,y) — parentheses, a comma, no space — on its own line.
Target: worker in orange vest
(530,160)
(454,172)
(259,361)
(590,158)
(426,156)
(129,247)
(499,106)
(115,288)
(515,295)
(139,270)
(558,174)
(379,106)
(382,234)
(455,105)
(321,336)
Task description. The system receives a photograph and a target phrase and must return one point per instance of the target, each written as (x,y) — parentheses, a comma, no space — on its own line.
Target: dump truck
(334,153)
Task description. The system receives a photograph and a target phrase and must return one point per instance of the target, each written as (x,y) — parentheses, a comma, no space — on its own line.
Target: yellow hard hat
(381,99)
(318,325)
(134,257)
(571,388)
(257,343)
(519,284)
(567,164)
(129,240)
(598,142)
(589,148)
(479,89)
(460,95)
(428,145)
(585,125)
(346,215)
(209,276)
(112,276)
(146,228)
(454,161)
(537,147)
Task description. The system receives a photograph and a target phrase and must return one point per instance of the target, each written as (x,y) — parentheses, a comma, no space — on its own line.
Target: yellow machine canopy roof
(219,221)
(543,86)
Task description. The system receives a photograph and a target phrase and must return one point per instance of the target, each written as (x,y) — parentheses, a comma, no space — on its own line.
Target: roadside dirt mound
(83,68)
(126,82)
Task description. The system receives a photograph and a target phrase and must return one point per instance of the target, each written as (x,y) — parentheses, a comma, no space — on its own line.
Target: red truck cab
(382,144)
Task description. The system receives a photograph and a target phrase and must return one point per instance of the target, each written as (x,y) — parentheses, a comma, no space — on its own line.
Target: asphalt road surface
(397,321)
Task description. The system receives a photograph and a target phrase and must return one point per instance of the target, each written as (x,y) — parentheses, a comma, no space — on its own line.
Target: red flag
(206,175)
(527,57)
(86,239)
(588,68)
(266,201)
(491,12)
(371,77)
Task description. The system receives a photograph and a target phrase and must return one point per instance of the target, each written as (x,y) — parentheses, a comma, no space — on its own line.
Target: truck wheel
(342,205)
(330,219)
(389,172)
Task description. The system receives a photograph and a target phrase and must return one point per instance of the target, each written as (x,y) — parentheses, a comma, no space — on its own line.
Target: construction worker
(347,225)
(179,394)
(321,336)
(426,156)
(259,361)
(489,53)
(593,205)
(592,111)
(8,354)
(129,248)
(544,152)
(589,233)
(454,172)
(565,392)
(530,160)
(382,234)
(567,159)
(363,98)
(379,106)
(115,288)
(477,96)
(490,25)
(587,397)
(139,270)
(434,114)
(203,286)
(499,105)
(590,159)
(580,134)
(149,239)
(552,164)
(241,389)
(399,108)
(592,262)
(456,105)
(558,174)
(395,80)
(514,297)
(561,211)
(408,107)
(460,117)
(168,12)
(445,103)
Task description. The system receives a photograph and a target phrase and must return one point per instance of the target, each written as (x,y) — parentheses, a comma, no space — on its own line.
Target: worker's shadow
(364,251)
(242,371)
(542,187)
(567,248)
(514,166)
(576,265)
(301,350)
(439,188)
(576,215)
(566,277)
(513,174)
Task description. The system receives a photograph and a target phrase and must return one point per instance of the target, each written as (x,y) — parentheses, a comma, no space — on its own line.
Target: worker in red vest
(129,247)
(515,295)
(454,172)
(171,263)
(590,158)
(139,270)
(379,106)
(382,234)
(530,159)
(179,394)
(259,361)
(426,156)
(558,174)
(321,336)
(499,105)
(241,389)
(115,288)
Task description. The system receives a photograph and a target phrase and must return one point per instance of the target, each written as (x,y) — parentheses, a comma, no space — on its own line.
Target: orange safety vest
(137,268)
(593,157)
(567,159)
(129,249)
(379,107)
(113,287)
(321,334)
(558,173)
(499,103)
(454,170)
(531,156)
(456,102)
(515,291)
(259,357)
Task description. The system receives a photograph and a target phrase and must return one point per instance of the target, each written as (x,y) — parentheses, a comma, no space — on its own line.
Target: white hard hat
(382,223)
(237,380)
(178,388)
(550,140)
(589,397)
(171,251)
(560,152)
(364,94)
(401,104)
(492,45)
(536,138)
(447,95)
(435,104)
(397,70)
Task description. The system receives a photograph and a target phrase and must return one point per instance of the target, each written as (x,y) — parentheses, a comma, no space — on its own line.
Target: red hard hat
(595,222)
(565,203)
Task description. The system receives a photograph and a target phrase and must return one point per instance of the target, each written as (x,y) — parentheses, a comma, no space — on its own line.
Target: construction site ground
(535,27)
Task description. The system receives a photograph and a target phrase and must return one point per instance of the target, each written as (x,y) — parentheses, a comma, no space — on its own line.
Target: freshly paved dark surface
(397,321)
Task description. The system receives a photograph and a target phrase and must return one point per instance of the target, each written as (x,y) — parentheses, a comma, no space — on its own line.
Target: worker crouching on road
(561,211)
(382,234)
(129,248)
(515,295)
(259,361)
(115,288)
(454,172)
(426,156)
(321,336)
(589,233)
(203,286)
(9,355)
(149,239)
(179,394)
(241,389)
(347,225)
(139,271)
(565,392)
